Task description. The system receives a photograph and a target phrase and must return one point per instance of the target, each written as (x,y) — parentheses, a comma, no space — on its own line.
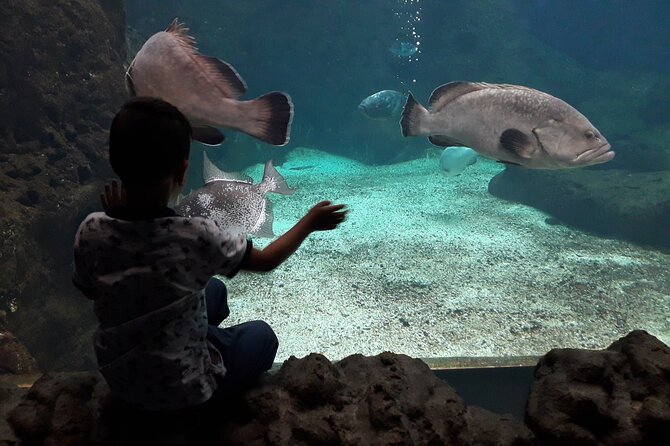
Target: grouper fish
(383,105)
(205,89)
(508,123)
(233,201)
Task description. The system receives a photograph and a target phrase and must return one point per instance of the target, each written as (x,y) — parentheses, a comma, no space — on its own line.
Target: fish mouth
(598,155)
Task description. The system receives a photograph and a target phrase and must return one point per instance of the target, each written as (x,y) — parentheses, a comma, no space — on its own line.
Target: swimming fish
(508,123)
(385,104)
(454,160)
(233,201)
(400,48)
(206,90)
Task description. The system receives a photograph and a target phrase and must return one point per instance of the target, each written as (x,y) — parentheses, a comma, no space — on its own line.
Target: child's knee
(216,287)
(264,329)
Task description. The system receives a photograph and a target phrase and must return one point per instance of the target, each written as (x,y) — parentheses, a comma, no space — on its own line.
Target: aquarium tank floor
(435,267)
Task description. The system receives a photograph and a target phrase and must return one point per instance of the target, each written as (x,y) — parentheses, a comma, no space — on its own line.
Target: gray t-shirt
(147,280)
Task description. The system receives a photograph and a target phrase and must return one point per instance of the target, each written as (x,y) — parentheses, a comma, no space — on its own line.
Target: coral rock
(387,399)
(617,396)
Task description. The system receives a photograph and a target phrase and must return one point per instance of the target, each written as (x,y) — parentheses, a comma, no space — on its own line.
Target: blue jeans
(247,349)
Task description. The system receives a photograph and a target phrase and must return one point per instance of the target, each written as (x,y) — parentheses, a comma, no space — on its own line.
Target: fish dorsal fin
(446,93)
(274,181)
(444,141)
(212,173)
(232,84)
(180,31)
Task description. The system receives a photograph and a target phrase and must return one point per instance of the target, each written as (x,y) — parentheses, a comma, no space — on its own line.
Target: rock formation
(58,92)
(619,396)
(14,356)
(387,399)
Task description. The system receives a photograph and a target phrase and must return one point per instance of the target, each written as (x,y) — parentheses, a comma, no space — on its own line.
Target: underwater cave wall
(61,79)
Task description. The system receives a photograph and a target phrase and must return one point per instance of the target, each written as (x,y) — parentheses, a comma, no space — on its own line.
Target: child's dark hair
(148,140)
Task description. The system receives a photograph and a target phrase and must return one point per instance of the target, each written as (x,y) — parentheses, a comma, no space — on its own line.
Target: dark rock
(612,203)
(29,198)
(385,399)
(14,356)
(382,400)
(619,396)
(58,94)
(84,173)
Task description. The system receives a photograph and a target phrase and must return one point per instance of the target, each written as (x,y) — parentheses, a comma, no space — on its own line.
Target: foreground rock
(383,400)
(619,396)
(610,203)
(14,356)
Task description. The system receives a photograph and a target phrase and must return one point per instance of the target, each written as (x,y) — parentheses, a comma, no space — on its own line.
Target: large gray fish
(385,104)
(233,201)
(205,89)
(508,123)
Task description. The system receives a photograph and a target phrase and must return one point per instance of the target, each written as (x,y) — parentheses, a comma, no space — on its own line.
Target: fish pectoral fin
(517,142)
(443,141)
(236,86)
(509,163)
(130,86)
(207,135)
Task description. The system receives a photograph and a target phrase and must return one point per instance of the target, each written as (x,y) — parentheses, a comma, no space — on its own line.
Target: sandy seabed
(434,266)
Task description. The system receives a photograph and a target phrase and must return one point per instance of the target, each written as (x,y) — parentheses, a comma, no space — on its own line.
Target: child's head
(149,142)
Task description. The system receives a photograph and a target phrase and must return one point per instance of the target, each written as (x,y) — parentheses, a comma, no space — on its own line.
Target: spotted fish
(508,123)
(383,105)
(233,201)
(205,89)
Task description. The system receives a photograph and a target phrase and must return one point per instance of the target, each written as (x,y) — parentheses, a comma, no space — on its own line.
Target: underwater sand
(434,266)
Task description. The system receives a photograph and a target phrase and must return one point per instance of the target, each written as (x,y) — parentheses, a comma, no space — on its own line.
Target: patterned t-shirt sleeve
(224,250)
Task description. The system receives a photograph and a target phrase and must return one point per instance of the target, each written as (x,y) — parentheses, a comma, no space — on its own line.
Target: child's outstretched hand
(114,195)
(325,216)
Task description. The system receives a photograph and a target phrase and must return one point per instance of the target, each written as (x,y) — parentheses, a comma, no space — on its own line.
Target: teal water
(429,265)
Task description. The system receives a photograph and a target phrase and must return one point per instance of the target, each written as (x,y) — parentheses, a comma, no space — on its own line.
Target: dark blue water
(608,58)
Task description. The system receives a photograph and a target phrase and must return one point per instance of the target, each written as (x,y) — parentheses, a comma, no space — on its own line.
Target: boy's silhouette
(149,272)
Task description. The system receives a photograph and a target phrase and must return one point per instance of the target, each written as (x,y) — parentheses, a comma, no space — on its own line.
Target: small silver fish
(233,201)
(400,48)
(384,105)
(454,160)
(205,89)
(508,123)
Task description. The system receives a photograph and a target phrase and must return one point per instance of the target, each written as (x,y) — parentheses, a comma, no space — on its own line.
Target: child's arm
(322,217)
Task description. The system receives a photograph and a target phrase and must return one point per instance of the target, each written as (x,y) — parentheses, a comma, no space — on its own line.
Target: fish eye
(589,134)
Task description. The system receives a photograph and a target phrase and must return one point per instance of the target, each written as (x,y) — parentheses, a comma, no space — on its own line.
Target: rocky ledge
(387,399)
(617,396)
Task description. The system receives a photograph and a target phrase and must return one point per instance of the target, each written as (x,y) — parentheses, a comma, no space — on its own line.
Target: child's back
(149,272)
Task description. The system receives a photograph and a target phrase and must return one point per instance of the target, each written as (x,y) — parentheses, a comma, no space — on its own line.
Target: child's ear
(181,172)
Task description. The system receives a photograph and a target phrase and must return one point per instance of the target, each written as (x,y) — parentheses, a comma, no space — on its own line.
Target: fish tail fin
(272,115)
(275,181)
(265,229)
(413,115)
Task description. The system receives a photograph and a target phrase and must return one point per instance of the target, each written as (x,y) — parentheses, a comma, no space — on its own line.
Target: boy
(149,272)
